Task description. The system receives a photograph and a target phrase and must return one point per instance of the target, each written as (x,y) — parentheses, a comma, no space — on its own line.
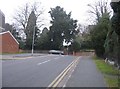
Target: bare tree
(22,14)
(36,7)
(98,9)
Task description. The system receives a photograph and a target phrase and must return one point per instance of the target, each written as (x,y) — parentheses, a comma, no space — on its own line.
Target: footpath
(86,74)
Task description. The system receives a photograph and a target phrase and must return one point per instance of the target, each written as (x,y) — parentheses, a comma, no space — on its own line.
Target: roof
(10,34)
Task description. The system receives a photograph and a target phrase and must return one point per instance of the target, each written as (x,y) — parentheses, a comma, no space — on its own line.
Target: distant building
(8,44)
(2,21)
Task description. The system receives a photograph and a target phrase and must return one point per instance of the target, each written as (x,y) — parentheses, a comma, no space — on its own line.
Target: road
(41,71)
(34,71)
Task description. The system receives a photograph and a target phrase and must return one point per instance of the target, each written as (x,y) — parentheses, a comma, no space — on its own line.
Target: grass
(109,72)
(112,82)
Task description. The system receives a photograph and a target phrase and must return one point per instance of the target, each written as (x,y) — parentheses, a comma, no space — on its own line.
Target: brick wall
(8,44)
(84,53)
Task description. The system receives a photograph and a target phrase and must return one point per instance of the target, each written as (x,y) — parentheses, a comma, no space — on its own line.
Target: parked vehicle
(56,52)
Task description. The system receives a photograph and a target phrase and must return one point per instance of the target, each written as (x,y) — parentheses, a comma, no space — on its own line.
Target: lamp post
(33,40)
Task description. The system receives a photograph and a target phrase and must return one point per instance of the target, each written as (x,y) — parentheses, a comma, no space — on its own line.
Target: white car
(56,52)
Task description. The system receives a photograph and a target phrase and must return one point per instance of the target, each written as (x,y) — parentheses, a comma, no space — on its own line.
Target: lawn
(110,73)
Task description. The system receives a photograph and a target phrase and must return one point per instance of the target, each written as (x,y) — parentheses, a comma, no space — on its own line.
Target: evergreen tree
(63,27)
(31,26)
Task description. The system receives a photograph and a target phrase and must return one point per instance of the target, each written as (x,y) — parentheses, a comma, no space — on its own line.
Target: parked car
(56,52)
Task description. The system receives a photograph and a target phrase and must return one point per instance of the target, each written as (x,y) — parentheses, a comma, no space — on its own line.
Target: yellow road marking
(59,75)
(63,73)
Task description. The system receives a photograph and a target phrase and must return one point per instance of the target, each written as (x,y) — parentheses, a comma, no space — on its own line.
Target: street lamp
(33,39)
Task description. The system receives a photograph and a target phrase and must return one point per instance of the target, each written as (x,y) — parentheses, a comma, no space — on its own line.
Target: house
(2,21)
(8,44)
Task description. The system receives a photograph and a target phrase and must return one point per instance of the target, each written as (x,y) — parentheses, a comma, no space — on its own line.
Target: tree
(75,46)
(43,41)
(30,28)
(22,15)
(63,27)
(77,43)
(15,33)
(12,29)
(83,37)
(8,27)
(112,44)
(98,9)
(99,33)
(28,17)
(101,15)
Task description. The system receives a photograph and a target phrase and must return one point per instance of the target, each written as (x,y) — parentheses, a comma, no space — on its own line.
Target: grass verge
(109,72)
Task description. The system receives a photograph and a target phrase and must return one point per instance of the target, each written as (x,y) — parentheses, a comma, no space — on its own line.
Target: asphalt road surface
(40,71)
(37,71)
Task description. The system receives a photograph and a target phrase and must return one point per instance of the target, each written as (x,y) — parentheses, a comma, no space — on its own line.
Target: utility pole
(33,40)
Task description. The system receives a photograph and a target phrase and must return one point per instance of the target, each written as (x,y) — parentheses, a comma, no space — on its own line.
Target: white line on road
(43,62)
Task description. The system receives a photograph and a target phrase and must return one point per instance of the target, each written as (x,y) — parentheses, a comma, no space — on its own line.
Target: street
(41,71)
(34,72)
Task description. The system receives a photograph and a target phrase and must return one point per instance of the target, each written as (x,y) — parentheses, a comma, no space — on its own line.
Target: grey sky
(78,7)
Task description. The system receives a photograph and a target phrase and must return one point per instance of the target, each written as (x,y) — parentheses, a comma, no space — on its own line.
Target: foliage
(85,40)
(43,42)
(26,18)
(8,27)
(75,46)
(31,26)
(116,17)
(12,29)
(22,14)
(100,12)
(98,9)
(98,34)
(112,44)
(63,27)
(15,33)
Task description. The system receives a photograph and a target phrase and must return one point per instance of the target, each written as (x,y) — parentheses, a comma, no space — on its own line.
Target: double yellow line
(59,78)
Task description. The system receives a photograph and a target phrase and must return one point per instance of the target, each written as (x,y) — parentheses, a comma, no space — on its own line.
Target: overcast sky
(79,8)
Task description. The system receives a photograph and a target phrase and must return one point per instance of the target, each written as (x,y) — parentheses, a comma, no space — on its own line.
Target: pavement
(86,75)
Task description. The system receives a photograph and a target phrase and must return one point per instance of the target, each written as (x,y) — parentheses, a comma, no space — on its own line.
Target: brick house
(8,44)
